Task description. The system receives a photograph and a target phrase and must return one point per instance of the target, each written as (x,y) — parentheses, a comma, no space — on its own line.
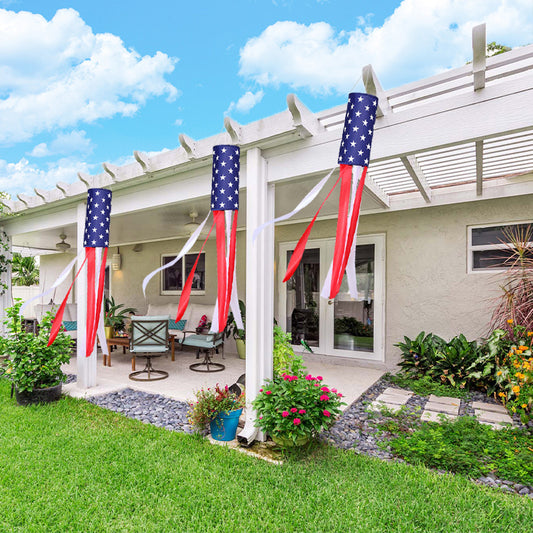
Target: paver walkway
(439,408)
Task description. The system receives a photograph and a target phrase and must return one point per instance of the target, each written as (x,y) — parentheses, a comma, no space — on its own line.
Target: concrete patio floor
(348,378)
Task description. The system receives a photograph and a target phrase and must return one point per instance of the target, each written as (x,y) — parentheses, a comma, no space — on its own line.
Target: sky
(87,82)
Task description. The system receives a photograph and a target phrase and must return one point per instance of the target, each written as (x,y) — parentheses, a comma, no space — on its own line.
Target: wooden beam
(373,86)
(303,119)
(189,145)
(413,168)
(479,168)
(112,171)
(85,178)
(234,129)
(479,49)
(376,192)
(143,160)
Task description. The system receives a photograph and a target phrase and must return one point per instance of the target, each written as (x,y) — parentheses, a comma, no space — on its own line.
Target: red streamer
(219,217)
(91,338)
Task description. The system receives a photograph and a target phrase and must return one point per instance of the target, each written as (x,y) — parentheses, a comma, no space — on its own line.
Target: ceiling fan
(62,246)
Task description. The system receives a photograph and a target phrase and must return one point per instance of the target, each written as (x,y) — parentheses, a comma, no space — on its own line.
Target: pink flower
(324,389)
(339,395)
(268,392)
(333,390)
(309,377)
(320,378)
(316,384)
(293,378)
(285,414)
(294,410)
(286,377)
(301,412)
(261,417)
(324,398)
(260,390)
(297,421)
(326,413)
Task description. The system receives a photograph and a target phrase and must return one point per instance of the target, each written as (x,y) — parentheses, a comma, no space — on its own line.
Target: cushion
(70,325)
(158,310)
(177,325)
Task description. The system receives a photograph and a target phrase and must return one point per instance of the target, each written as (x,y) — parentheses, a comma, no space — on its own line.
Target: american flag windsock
(96,243)
(224,201)
(354,153)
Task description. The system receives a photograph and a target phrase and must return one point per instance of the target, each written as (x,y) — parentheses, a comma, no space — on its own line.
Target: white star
(352,143)
(236,205)
(375,102)
(358,114)
(223,163)
(365,122)
(101,236)
(350,159)
(367,108)
(366,161)
(222,204)
(216,185)
(95,230)
(368,147)
(369,132)
(102,224)
(230,184)
(349,121)
(94,242)
(106,243)
(222,191)
(360,99)
(212,206)
(222,177)
(102,211)
(223,150)
(356,128)
(363,137)
(360,152)
(96,205)
(95,217)
(230,197)
(97,193)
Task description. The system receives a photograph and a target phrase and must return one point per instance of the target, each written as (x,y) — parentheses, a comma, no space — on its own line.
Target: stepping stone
(442,408)
(494,426)
(392,398)
(492,407)
(446,400)
(398,392)
(378,406)
(489,416)
(432,416)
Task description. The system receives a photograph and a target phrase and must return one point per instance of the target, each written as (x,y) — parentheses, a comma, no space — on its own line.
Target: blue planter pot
(224,426)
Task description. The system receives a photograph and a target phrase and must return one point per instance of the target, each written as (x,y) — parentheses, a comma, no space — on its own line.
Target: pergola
(463,135)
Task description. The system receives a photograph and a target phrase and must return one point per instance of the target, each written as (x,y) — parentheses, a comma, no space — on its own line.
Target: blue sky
(86,82)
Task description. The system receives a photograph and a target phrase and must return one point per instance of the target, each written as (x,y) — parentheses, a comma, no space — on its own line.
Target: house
(452,163)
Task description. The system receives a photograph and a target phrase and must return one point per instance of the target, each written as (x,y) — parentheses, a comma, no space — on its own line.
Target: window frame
(484,247)
(168,292)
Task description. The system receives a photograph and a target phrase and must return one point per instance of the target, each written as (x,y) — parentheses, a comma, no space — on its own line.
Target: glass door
(345,326)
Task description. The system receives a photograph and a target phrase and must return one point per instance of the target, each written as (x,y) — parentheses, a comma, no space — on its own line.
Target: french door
(344,326)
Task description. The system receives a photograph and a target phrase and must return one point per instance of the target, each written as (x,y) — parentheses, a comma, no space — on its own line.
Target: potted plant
(238,334)
(33,367)
(218,407)
(294,408)
(115,316)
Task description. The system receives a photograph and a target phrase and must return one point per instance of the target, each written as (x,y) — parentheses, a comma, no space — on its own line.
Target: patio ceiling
(462,135)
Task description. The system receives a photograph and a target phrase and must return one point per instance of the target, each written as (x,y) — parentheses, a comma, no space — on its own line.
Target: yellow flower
(524,405)
(530,333)
(499,373)
(516,389)
(522,347)
(501,394)
(510,321)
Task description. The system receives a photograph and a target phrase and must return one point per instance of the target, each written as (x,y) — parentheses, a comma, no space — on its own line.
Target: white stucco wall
(50,267)
(427,284)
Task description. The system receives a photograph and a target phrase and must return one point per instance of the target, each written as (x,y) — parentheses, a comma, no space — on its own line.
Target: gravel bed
(354,430)
(146,407)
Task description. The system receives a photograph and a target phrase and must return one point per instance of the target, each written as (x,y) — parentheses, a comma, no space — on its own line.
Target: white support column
(259,281)
(6,298)
(86,365)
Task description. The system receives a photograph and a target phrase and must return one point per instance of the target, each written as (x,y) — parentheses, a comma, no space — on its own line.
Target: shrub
(419,355)
(296,405)
(465,446)
(284,358)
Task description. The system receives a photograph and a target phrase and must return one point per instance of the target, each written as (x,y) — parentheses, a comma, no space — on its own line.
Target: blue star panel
(225,184)
(358,129)
(97,218)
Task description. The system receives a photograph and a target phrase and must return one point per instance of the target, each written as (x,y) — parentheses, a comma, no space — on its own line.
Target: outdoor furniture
(118,341)
(149,339)
(205,343)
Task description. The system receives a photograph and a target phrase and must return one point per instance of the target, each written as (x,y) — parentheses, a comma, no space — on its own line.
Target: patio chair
(149,338)
(205,343)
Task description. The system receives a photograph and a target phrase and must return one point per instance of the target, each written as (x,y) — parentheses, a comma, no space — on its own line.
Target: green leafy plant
(352,326)
(419,354)
(425,385)
(284,358)
(231,326)
(468,447)
(32,364)
(295,406)
(25,271)
(210,402)
(116,314)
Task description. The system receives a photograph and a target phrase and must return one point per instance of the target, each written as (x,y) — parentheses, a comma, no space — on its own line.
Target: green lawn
(72,466)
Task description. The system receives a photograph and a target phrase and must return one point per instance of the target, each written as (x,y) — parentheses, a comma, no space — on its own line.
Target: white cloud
(58,73)
(64,144)
(178,122)
(419,39)
(23,176)
(246,102)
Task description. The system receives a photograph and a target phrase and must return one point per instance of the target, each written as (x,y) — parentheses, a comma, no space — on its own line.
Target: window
(173,278)
(490,246)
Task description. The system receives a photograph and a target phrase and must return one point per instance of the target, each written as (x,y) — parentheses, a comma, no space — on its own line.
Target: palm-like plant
(25,271)
(515,305)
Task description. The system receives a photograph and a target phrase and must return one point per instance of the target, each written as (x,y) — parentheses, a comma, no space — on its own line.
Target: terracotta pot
(47,395)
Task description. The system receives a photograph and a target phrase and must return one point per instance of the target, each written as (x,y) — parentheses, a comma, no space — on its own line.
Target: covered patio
(450,152)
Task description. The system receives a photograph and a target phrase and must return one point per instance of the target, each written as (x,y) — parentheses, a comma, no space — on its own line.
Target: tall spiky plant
(515,305)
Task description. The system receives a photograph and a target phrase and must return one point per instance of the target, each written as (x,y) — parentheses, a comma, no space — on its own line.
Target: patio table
(125,343)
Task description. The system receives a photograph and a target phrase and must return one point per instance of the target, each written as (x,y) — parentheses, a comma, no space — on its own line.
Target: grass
(72,466)
(426,385)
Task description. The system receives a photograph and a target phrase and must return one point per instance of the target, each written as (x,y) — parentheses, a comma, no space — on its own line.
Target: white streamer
(311,195)
(186,247)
